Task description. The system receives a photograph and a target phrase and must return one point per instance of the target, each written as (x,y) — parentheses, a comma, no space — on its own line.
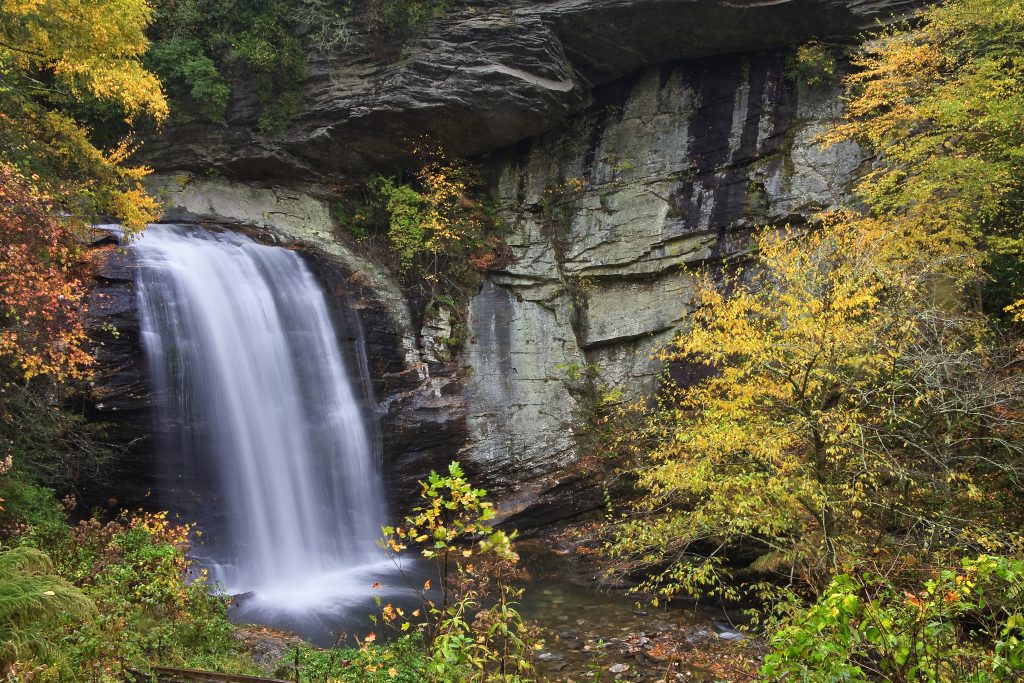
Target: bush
(474,631)
(812,64)
(49,445)
(963,625)
(27,505)
(401,661)
(187,70)
(148,610)
(36,609)
(200,46)
(403,17)
(439,227)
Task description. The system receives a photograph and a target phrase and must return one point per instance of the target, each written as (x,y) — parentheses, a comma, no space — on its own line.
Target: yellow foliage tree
(88,46)
(56,55)
(941,101)
(845,409)
(859,408)
(58,58)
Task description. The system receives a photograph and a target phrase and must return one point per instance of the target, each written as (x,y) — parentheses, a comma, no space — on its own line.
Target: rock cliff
(629,142)
(610,217)
(490,73)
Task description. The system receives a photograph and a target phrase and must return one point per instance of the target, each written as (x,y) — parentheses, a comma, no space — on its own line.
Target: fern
(34,602)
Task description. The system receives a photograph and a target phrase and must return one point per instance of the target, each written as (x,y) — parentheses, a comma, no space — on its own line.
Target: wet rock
(635,643)
(572,643)
(267,647)
(727,632)
(618,668)
(552,661)
(119,395)
(422,426)
(240,599)
(698,635)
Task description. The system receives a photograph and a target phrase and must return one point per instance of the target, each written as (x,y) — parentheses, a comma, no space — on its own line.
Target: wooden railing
(170,674)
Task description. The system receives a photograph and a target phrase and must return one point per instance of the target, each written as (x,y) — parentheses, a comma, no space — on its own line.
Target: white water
(261,425)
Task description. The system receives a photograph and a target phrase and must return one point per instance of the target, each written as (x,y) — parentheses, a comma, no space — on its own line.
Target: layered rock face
(120,393)
(630,143)
(611,216)
(489,74)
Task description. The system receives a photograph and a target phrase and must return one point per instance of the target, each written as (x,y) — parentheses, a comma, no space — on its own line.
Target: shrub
(188,71)
(148,610)
(200,46)
(37,608)
(963,625)
(474,631)
(439,227)
(812,64)
(27,505)
(403,17)
(403,660)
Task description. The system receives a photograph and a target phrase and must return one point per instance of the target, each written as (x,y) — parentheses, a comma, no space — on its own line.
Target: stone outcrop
(490,73)
(610,217)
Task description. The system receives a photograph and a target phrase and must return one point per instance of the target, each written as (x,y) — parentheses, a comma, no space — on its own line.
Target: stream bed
(594,634)
(589,633)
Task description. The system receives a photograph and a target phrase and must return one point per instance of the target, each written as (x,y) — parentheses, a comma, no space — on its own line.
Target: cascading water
(261,425)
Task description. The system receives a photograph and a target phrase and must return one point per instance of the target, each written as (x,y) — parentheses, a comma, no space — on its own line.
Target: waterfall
(263,429)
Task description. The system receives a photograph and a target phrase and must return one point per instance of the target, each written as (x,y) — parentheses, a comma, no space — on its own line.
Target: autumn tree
(941,101)
(57,58)
(61,62)
(861,405)
(847,413)
(41,331)
(54,55)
